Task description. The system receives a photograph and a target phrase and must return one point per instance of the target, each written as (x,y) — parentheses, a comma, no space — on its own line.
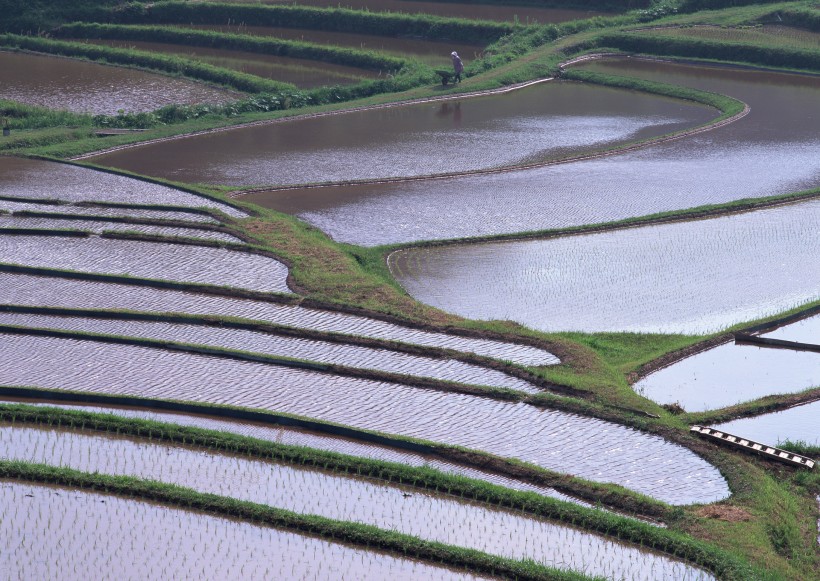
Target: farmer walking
(458,66)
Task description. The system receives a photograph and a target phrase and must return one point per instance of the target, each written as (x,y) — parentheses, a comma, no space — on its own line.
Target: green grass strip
(360,535)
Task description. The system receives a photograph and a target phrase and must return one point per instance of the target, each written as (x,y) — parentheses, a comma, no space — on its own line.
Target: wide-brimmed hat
(454,53)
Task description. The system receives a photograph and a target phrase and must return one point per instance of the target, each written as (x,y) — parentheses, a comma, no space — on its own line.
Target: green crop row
(16,115)
(714,50)
(647,536)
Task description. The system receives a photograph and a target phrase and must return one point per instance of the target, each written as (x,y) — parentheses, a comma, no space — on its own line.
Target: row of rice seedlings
(309,492)
(552,439)
(62,291)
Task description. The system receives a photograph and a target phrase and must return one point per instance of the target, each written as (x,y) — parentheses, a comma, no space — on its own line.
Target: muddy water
(296,437)
(586,447)
(541,121)
(98,211)
(424,515)
(319,351)
(775,149)
(84,87)
(44,180)
(732,373)
(41,541)
(303,73)
(522,14)
(99,226)
(35,290)
(796,424)
(432,52)
(155,260)
(691,277)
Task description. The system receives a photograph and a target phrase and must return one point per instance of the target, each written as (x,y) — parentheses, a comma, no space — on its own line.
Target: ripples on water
(155,260)
(40,538)
(420,514)
(586,447)
(57,292)
(692,277)
(80,211)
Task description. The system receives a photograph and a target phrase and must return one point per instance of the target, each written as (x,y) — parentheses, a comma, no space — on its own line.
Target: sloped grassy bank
(667,541)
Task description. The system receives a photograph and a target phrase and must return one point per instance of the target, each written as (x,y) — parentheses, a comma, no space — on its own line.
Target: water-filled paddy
(732,373)
(775,149)
(99,226)
(297,437)
(85,87)
(414,512)
(155,260)
(688,277)
(282,346)
(106,212)
(123,538)
(58,292)
(45,180)
(796,424)
(303,73)
(585,447)
(527,125)
(804,331)
(432,52)
(523,14)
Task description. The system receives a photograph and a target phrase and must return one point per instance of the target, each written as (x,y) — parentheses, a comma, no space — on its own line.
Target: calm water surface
(801,423)
(40,538)
(775,149)
(691,277)
(543,121)
(85,87)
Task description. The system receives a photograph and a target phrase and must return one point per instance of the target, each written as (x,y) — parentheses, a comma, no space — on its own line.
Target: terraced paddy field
(35,180)
(774,35)
(303,73)
(551,439)
(84,87)
(733,373)
(528,125)
(523,14)
(153,260)
(773,150)
(428,516)
(690,277)
(64,292)
(93,211)
(40,538)
(797,424)
(432,52)
(99,226)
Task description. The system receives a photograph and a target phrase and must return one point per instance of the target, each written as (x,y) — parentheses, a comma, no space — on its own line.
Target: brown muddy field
(305,74)
(547,120)
(85,87)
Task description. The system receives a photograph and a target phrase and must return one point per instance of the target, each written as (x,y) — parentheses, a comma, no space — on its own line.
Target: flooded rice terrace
(85,87)
(582,446)
(8,205)
(774,150)
(523,126)
(61,292)
(44,180)
(304,73)
(733,373)
(690,277)
(39,533)
(410,511)
(320,441)
(282,346)
(797,424)
(153,260)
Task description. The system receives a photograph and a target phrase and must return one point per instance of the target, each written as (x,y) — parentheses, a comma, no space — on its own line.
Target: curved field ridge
(688,277)
(46,180)
(150,541)
(296,437)
(66,208)
(773,150)
(292,347)
(585,447)
(60,292)
(428,516)
(99,226)
(154,260)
